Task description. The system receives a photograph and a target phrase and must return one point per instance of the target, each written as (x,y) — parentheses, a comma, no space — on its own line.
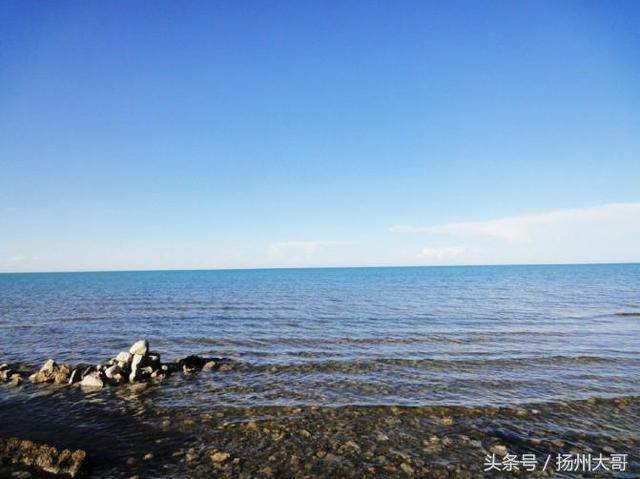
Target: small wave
(461,365)
(629,313)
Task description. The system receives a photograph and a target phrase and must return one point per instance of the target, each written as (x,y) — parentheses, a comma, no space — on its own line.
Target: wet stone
(15,380)
(407,469)
(92,380)
(124,357)
(219,456)
(42,456)
(209,366)
(499,450)
(111,371)
(140,347)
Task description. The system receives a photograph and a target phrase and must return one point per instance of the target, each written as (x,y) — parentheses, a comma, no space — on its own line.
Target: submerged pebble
(220,456)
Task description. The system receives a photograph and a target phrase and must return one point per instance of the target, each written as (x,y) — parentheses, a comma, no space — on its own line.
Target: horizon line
(267,268)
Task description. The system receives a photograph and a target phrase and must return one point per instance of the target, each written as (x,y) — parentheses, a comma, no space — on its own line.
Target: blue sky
(257,134)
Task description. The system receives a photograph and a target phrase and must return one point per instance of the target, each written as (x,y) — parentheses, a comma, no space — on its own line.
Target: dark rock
(196,363)
(153,360)
(74,377)
(118,379)
(191,363)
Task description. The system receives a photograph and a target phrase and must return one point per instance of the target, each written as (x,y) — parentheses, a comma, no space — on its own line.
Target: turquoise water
(409,336)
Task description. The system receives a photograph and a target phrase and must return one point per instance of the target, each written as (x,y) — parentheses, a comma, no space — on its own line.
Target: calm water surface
(406,336)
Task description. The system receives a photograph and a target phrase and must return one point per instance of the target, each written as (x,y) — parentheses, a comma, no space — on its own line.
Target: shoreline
(114,420)
(344,441)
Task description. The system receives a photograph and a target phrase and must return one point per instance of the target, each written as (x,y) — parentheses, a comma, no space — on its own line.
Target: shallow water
(442,343)
(392,336)
(405,336)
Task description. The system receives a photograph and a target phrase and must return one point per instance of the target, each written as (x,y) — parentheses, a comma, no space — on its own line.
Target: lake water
(387,336)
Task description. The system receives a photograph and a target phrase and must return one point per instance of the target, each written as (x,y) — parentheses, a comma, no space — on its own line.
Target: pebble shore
(228,441)
(383,441)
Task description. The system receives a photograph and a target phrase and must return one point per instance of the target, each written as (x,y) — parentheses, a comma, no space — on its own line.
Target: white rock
(136,366)
(136,362)
(91,381)
(111,371)
(209,366)
(140,347)
(124,357)
(48,366)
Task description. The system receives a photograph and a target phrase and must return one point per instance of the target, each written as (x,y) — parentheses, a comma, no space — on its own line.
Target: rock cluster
(9,375)
(42,456)
(51,372)
(136,365)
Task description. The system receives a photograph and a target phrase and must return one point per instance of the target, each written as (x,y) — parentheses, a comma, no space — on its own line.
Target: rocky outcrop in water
(14,451)
(51,372)
(10,375)
(139,364)
(194,363)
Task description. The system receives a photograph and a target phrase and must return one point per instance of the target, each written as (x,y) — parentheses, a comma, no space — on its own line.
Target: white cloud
(524,228)
(303,252)
(444,253)
(604,233)
(18,259)
(285,248)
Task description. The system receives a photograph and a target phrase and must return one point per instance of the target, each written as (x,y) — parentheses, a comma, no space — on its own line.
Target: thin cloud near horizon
(602,233)
(606,233)
(515,228)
